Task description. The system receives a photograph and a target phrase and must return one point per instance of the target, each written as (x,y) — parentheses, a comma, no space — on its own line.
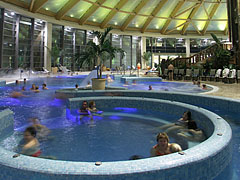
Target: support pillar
(187,43)
(143,50)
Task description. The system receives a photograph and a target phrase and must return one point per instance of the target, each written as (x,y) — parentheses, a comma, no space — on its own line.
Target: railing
(201,56)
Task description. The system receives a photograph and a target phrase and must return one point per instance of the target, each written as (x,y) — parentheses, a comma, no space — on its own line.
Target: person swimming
(29,145)
(42,131)
(44,86)
(150,88)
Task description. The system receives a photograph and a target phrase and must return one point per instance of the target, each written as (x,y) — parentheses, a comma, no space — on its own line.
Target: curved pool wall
(204,161)
(211,102)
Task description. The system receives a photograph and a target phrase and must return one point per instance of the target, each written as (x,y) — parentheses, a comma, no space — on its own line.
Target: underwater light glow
(124,109)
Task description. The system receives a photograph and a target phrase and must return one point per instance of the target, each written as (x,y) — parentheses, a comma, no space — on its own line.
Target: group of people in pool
(30,145)
(198,83)
(34,88)
(185,128)
(88,110)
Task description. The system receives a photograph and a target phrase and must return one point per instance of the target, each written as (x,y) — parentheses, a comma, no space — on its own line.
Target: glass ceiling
(167,17)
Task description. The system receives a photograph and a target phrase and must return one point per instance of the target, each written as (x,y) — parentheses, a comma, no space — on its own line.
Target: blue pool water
(162,86)
(50,110)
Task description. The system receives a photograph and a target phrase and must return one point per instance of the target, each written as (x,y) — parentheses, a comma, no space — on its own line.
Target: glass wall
(38,44)
(136,51)
(9,38)
(69,48)
(57,43)
(127,47)
(116,42)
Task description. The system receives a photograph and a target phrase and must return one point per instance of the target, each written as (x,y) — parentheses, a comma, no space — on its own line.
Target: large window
(57,42)
(9,39)
(24,42)
(69,38)
(116,42)
(38,44)
(136,52)
(127,47)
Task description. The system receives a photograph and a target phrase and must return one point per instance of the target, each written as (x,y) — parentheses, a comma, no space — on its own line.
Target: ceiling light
(157,27)
(71,15)
(12,13)
(94,20)
(115,23)
(47,9)
(136,25)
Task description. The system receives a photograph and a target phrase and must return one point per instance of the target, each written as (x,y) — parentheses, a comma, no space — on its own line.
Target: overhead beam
(193,12)
(31,5)
(90,11)
(195,27)
(135,12)
(214,9)
(186,10)
(38,4)
(173,13)
(113,12)
(153,14)
(69,5)
(176,28)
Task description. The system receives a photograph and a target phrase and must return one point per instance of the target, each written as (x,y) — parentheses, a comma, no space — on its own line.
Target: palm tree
(221,56)
(146,56)
(98,52)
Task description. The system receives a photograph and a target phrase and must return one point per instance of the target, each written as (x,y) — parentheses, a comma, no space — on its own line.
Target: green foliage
(221,56)
(98,53)
(146,56)
(56,53)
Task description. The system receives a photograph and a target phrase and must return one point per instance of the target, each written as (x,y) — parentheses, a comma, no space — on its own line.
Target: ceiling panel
(147,10)
(157,24)
(111,3)
(79,9)
(119,18)
(99,15)
(138,22)
(130,5)
(167,9)
(54,5)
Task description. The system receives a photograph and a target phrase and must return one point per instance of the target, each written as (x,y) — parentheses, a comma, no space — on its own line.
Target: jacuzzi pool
(140,169)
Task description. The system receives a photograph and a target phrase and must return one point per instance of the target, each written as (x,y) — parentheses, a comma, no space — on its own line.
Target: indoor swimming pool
(66,128)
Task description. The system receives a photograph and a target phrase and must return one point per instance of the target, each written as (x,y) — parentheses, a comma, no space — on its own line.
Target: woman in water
(182,123)
(162,146)
(29,145)
(92,106)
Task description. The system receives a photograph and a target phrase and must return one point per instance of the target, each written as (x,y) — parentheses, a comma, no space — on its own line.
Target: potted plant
(96,53)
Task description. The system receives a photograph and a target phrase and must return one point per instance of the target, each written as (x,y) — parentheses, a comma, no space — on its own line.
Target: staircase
(200,57)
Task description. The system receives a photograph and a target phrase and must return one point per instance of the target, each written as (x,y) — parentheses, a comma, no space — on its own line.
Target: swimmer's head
(30,133)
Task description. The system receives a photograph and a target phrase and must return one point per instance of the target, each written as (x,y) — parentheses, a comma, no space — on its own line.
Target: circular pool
(196,162)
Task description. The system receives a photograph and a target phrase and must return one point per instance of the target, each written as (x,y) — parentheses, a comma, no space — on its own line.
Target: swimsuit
(158,153)
(36,154)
